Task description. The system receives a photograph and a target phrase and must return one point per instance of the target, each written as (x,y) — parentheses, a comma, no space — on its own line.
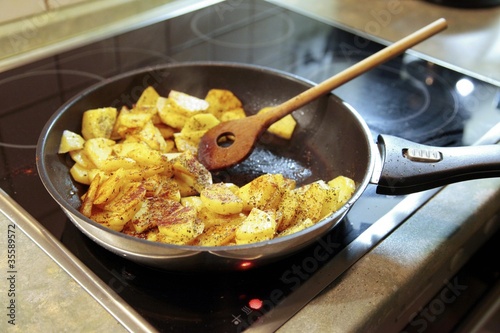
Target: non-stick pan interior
(330,139)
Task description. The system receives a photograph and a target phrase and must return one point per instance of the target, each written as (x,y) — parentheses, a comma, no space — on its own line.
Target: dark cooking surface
(408,97)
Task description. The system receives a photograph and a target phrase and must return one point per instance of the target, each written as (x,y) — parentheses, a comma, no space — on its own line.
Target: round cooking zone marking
(18,107)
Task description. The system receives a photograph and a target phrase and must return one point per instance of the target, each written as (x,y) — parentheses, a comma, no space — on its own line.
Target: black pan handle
(409,167)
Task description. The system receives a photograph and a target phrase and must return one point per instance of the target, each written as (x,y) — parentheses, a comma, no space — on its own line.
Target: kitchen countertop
(44,297)
(372,295)
(377,282)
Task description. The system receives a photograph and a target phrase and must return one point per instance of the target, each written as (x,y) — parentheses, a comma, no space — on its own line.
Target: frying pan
(331,139)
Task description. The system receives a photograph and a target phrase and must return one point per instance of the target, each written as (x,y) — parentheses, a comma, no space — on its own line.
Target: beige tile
(14,9)
(53,4)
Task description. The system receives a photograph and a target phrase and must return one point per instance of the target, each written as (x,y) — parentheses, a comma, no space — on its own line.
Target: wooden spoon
(231,142)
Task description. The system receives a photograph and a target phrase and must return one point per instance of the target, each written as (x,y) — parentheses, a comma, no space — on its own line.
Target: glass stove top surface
(407,97)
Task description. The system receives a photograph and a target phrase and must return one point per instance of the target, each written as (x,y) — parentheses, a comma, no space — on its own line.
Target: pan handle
(409,167)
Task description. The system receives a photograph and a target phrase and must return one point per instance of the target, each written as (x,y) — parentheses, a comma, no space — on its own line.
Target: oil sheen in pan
(273,157)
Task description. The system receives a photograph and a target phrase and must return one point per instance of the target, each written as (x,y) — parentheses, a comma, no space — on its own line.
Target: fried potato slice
(179,222)
(110,188)
(152,136)
(284,127)
(297,227)
(179,107)
(221,199)
(122,208)
(148,98)
(218,235)
(70,141)
(200,122)
(98,150)
(98,123)
(129,122)
(189,170)
(257,227)
(88,199)
(265,192)
(233,114)
(210,219)
(220,101)
(81,158)
(345,187)
(148,215)
(80,174)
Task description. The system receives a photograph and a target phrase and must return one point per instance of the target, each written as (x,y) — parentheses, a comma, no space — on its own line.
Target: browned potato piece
(284,127)
(265,192)
(190,171)
(178,222)
(148,98)
(70,141)
(220,199)
(218,235)
(98,123)
(220,101)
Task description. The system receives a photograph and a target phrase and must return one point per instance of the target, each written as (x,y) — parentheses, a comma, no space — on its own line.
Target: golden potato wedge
(178,222)
(154,235)
(220,101)
(200,122)
(220,199)
(88,199)
(179,107)
(161,186)
(166,131)
(109,188)
(185,189)
(233,114)
(187,104)
(288,208)
(81,158)
(122,208)
(128,122)
(148,98)
(123,148)
(98,123)
(311,199)
(210,219)
(148,215)
(70,141)
(257,227)
(114,163)
(265,192)
(188,142)
(80,174)
(168,114)
(190,171)
(284,127)
(151,135)
(344,186)
(98,150)
(146,156)
(218,235)
(192,201)
(297,227)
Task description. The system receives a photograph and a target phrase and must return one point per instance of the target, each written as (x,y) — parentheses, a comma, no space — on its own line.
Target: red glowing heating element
(246,264)
(255,304)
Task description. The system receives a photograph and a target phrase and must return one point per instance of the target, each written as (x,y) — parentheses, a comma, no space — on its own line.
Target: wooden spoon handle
(348,74)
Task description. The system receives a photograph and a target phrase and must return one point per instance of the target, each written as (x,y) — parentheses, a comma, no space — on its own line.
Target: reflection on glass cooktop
(407,97)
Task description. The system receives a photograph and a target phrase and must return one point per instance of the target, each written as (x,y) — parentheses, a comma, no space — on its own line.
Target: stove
(410,96)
